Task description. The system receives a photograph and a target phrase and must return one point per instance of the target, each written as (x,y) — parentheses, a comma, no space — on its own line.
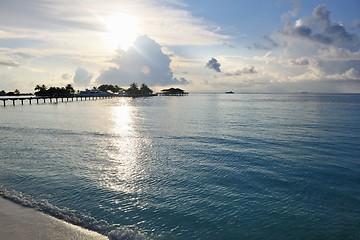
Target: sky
(277,46)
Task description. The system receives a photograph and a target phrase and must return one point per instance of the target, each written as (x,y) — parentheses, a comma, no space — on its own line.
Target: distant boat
(229,92)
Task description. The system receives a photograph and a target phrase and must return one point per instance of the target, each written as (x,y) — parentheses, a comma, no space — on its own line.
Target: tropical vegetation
(133,90)
(42,90)
(109,87)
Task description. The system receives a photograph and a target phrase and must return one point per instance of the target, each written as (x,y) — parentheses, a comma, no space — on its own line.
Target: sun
(121,30)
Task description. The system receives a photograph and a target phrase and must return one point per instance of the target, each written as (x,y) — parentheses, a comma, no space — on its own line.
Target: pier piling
(51,99)
(57,100)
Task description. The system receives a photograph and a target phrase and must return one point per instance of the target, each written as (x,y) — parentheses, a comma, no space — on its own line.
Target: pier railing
(47,99)
(14,100)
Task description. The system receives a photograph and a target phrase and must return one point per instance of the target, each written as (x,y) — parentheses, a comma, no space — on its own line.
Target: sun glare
(122,30)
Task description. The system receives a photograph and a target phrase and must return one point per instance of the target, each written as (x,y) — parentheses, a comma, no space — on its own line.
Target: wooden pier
(38,100)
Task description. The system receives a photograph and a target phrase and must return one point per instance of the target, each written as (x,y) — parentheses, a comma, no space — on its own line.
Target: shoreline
(18,222)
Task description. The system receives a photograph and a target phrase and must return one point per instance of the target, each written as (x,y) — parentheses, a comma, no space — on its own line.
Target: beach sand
(20,223)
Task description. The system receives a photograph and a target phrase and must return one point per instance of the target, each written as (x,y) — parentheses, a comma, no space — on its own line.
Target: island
(68,93)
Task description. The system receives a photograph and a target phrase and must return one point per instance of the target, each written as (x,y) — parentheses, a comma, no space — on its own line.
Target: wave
(72,217)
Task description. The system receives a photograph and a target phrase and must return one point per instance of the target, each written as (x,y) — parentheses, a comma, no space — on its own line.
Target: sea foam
(71,216)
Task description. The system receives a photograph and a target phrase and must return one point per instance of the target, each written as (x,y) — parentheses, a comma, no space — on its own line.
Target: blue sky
(201,46)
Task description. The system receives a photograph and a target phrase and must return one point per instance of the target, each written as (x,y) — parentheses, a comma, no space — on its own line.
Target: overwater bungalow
(173,92)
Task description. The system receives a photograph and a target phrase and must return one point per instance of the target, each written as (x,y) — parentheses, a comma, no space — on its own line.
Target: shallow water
(204,166)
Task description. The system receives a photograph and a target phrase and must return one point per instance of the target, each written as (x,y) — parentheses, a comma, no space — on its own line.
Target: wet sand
(17,222)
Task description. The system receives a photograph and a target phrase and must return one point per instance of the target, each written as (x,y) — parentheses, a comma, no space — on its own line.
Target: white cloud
(341,54)
(353,74)
(350,74)
(267,57)
(143,62)
(174,26)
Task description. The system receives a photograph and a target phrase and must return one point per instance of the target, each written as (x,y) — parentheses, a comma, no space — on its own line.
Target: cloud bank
(244,70)
(319,28)
(318,48)
(144,62)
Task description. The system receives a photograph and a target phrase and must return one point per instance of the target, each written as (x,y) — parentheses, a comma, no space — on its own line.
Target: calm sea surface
(216,166)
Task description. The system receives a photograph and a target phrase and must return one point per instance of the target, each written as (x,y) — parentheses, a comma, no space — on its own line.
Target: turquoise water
(204,166)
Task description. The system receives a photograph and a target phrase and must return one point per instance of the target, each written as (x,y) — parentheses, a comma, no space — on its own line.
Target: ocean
(203,166)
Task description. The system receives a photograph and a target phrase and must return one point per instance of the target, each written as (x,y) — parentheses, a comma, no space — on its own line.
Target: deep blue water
(204,166)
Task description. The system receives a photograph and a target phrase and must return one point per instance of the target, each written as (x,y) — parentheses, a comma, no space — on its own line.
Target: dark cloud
(321,38)
(9,63)
(268,44)
(302,31)
(180,81)
(320,28)
(244,70)
(236,73)
(249,70)
(339,32)
(82,77)
(229,45)
(213,64)
(321,12)
(356,23)
(271,41)
(144,62)
(258,46)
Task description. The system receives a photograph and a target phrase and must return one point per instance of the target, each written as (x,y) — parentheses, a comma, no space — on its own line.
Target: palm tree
(133,89)
(41,88)
(144,89)
(134,86)
(69,88)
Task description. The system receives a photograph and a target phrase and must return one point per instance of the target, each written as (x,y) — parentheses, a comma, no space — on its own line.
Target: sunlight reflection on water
(123,168)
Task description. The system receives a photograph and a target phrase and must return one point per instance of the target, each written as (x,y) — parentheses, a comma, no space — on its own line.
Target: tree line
(42,90)
(134,89)
(68,90)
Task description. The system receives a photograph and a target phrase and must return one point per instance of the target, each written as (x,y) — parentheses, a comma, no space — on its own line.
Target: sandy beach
(17,222)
